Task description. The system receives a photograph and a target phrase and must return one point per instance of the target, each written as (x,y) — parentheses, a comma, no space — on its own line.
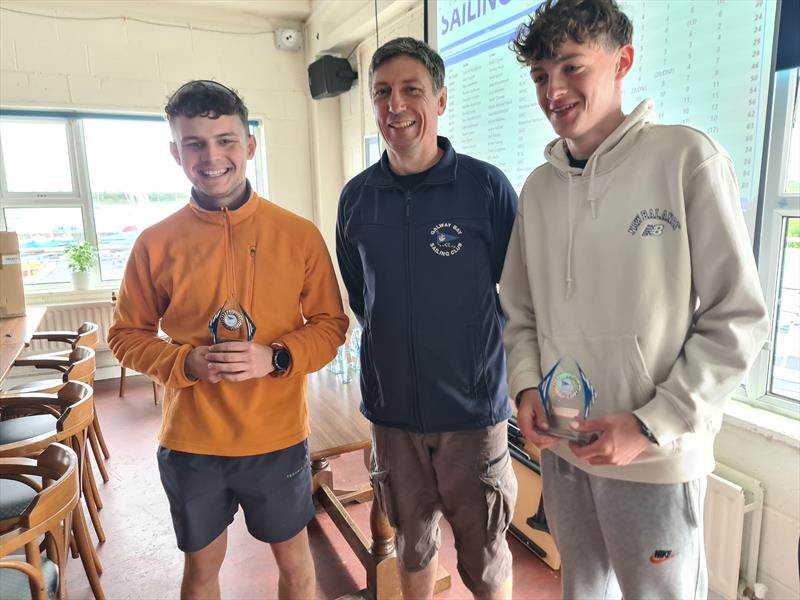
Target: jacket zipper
(410,287)
(252,281)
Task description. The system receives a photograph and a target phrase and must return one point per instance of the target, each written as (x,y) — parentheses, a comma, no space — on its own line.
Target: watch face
(281,359)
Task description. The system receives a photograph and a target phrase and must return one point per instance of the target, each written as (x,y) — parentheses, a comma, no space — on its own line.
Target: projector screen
(705,64)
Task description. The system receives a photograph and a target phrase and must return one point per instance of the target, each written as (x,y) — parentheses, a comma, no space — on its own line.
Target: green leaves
(81,256)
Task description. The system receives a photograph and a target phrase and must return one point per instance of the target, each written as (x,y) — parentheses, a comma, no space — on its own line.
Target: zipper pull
(408,205)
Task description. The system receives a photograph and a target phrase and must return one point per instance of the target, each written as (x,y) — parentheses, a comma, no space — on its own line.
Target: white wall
(774,459)
(128,66)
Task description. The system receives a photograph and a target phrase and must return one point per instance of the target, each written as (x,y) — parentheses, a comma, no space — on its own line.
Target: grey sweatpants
(640,541)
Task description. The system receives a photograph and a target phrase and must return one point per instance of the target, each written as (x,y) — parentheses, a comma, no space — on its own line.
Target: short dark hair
(206,98)
(407,46)
(594,21)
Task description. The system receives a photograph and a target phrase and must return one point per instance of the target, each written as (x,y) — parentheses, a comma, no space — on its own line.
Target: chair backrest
(77,401)
(73,408)
(88,336)
(82,365)
(49,514)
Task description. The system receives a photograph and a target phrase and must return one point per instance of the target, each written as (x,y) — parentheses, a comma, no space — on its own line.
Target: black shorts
(204,493)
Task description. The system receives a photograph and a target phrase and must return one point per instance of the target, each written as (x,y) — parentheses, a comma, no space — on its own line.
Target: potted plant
(81,257)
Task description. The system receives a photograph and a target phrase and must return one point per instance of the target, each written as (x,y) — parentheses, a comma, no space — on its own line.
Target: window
(133,187)
(774,381)
(785,371)
(372,150)
(102,178)
(43,234)
(30,145)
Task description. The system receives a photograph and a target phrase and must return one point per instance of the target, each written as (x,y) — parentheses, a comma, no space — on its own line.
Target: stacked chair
(52,478)
(87,336)
(30,423)
(77,364)
(33,417)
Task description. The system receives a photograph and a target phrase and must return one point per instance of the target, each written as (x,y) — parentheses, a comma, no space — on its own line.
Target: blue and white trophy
(567,396)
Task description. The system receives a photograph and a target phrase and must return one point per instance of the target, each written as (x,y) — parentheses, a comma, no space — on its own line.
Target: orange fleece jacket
(176,275)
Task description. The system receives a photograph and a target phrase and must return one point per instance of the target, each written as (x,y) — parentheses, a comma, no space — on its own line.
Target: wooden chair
(77,365)
(123,371)
(87,336)
(48,514)
(63,417)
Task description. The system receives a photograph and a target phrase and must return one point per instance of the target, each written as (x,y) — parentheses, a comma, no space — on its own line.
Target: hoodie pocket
(614,366)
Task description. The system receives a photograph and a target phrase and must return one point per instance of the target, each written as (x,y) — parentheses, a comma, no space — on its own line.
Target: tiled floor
(140,559)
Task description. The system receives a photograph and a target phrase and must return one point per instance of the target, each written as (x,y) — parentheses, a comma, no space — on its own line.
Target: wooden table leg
(321,473)
(383,579)
(378,558)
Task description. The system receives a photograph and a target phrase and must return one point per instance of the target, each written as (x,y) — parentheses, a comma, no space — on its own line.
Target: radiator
(68,317)
(732,530)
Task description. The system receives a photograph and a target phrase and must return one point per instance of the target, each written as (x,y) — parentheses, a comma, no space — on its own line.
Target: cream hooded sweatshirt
(641,269)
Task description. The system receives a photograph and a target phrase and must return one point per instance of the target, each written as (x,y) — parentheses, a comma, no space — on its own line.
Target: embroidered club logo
(446,239)
(653,222)
(661,556)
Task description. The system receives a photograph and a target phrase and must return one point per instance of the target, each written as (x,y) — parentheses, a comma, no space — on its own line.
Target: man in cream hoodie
(629,255)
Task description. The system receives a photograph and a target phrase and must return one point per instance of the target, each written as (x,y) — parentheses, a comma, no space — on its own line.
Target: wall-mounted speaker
(330,76)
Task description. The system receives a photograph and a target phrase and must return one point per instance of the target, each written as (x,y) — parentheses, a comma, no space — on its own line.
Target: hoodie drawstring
(591,198)
(571,227)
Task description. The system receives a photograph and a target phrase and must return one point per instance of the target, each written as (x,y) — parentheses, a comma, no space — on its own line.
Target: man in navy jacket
(421,238)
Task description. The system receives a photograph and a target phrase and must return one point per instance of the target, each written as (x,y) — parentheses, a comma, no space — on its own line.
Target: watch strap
(646,432)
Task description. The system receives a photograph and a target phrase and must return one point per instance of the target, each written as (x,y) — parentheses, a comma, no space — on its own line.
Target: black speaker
(330,76)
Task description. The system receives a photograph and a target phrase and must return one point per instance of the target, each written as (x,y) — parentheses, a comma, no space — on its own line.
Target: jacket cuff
(662,419)
(291,370)
(522,381)
(179,379)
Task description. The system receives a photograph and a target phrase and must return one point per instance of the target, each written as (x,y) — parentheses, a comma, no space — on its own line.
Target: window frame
(72,195)
(81,195)
(777,204)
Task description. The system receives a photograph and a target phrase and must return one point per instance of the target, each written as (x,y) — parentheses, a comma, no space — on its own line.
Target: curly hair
(595,21)
(206,98)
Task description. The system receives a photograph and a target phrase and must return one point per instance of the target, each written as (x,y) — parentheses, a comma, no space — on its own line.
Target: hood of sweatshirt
(604,160)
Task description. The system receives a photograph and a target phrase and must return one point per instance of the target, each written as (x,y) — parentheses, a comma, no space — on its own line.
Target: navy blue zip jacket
(421,269)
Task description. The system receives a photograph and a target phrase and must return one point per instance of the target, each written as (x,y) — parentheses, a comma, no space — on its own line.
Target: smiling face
(407,110)
(580,92)
(213,154)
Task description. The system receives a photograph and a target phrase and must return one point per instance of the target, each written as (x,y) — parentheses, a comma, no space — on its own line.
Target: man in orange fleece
(235,413)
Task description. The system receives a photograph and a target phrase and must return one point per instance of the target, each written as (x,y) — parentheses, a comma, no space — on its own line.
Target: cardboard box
(12,292)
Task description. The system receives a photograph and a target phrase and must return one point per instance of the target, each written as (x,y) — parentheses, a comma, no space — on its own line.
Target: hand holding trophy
(567,396)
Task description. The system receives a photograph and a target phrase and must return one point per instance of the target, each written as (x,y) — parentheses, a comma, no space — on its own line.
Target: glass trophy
(232,320)
(567,396)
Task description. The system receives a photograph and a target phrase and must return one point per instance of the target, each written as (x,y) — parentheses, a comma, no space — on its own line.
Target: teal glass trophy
(567,396)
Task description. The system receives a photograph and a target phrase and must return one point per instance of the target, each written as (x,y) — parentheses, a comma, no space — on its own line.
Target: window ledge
(768,424)
(69,296)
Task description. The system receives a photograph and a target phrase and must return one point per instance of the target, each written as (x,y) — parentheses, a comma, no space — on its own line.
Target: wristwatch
(646,430)
(281,359)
